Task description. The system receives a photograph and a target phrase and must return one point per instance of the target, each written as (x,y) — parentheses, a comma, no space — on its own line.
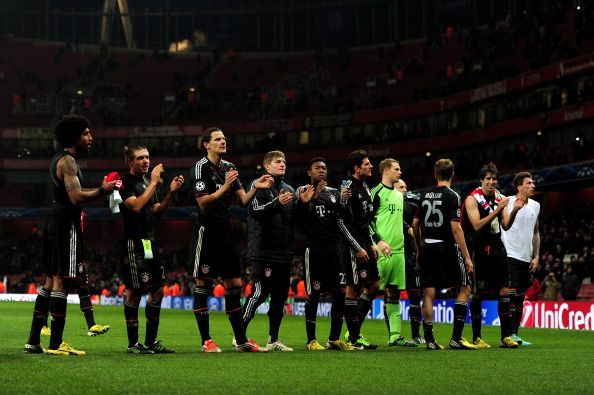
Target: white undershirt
(518,239)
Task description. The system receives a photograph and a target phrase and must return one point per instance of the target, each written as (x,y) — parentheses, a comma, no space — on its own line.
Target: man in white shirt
(522,243)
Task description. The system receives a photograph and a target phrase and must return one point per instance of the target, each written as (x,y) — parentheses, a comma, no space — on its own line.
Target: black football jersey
(207,178)
(137,225)
(437,208)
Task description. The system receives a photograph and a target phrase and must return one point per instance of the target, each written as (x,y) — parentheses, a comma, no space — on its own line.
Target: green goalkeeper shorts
(391,271)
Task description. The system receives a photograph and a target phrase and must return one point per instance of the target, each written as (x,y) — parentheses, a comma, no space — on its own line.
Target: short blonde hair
(386,164)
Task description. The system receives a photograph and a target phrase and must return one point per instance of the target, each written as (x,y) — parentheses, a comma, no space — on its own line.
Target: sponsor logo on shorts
(268,272)
(144,277)
(205,269)
(316,285)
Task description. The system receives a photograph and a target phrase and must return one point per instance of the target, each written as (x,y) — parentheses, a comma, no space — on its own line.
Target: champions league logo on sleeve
(538,179)
(200,186)
(332,199)
(80,268)
(585,171)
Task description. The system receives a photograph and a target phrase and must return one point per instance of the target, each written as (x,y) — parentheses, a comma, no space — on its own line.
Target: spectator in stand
(247,288)
(175,289)
(533,292)
(570,284)
(218,290)
(590,264)
(16,101)
(32,288)
(551,287)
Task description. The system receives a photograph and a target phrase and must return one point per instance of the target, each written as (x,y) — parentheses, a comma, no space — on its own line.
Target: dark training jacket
(271,233)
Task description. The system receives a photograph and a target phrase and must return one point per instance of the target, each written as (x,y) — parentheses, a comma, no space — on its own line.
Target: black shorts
(413,275)
(62,248)
(213,254)
(274,276)
(490,270)
(324,270)
(140,272)
(442,266)
(519,275)
(358,272)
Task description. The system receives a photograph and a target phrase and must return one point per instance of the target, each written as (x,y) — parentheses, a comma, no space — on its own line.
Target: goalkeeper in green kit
(387,233)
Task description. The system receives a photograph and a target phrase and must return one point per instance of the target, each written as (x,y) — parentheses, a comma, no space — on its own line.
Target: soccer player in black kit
(413,281)
(362,276)
(41,311)
(324,269)
(442,254)
(216,183)
(483,217)
(271,246)
(62,233)
(142,269)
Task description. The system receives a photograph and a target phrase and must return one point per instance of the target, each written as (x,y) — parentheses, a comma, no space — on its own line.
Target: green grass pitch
(558,362)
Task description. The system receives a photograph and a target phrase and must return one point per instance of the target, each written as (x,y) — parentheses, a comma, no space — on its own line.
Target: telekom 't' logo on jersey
(321,211)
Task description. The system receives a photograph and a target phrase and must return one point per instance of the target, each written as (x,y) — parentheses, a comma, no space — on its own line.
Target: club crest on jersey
(480,284)
(316,285)
(268,272)
(144,277)
(363,274)
(200,186)
(205,269)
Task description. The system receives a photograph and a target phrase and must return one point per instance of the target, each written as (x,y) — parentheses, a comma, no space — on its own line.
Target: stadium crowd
(105,86)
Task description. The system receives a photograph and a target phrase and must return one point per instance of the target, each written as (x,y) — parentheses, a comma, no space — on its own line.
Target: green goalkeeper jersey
(387,222)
